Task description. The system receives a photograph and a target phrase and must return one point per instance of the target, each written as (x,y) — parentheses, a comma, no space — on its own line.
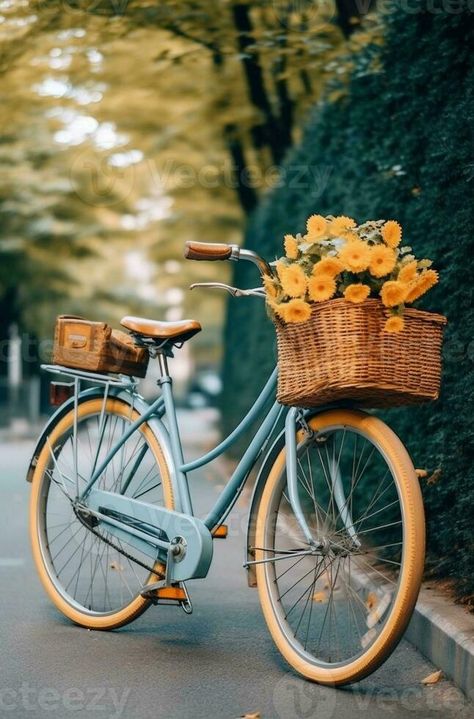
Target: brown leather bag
(96,347)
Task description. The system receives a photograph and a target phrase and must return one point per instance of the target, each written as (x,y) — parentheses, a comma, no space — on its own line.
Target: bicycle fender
(258,488)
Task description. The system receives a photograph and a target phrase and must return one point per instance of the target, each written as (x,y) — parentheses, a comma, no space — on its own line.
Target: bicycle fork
(293,419)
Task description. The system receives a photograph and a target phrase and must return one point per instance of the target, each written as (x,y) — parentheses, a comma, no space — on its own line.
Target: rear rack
(110,380)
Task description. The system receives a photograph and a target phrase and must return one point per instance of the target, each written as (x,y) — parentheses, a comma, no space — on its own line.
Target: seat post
(165,382)
(163,365)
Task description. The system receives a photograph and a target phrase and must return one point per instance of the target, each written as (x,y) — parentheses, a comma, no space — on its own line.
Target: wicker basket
(342,352)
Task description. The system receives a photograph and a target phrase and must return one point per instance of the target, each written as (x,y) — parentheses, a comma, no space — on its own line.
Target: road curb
(444,633)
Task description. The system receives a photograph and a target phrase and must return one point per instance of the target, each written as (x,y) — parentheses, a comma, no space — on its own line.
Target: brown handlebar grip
(207,251)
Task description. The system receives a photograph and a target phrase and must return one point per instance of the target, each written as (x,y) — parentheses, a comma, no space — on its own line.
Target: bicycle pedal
(171,594)
(221,531)
(157,591)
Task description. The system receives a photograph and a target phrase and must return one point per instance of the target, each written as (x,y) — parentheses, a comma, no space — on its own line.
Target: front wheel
(337,613)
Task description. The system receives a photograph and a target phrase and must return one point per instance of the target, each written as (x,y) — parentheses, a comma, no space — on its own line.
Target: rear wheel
(80,565)
(337,613)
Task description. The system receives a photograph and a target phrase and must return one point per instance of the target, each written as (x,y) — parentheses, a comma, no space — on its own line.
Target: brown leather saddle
(161,333)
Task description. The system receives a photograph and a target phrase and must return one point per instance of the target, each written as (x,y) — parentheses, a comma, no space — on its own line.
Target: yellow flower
(278,309)
(382,260)
(394,324)
(340,226)
(291,247)
(408,272)
(296,311)
(421,285)
(321,287)
(316,226)
(393,293)
(357,293)
(328,266)
(355,256)
(392,233)
(270,287)
(351,236)
(293,280)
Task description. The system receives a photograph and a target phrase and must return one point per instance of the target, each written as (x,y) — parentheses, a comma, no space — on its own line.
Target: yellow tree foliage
(128,128)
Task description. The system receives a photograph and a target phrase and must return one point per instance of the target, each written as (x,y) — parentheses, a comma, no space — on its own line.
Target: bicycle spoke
(67,543)
(308,598)
(288,569)
(147,490)
(324,622)
(380,526)
(288,555)
(301,595)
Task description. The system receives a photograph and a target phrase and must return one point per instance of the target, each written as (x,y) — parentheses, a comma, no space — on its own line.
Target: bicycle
(335,540)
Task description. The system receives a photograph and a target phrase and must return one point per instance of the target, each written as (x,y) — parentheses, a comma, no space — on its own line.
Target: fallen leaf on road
(371,600)
(368,638)
(433,678)
(434,477)
(117,566)
(253,715)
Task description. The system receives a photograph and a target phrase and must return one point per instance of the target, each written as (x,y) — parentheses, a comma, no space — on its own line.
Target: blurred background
(129,127)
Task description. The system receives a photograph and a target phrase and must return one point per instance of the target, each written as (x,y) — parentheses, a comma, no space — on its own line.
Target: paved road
(218,663)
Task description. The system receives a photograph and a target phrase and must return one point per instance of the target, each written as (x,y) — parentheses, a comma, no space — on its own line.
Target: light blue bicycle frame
(164,406)
(196,536)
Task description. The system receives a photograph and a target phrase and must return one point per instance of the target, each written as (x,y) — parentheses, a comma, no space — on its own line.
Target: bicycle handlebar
(221,251)
(208,251)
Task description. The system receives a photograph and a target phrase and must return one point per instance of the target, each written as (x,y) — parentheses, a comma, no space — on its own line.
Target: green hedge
(399,144)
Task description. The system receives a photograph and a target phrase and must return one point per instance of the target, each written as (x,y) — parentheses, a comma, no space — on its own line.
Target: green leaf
(311,248)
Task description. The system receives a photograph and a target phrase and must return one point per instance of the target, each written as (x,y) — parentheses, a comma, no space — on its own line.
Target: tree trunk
(247,196)
(269,130)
